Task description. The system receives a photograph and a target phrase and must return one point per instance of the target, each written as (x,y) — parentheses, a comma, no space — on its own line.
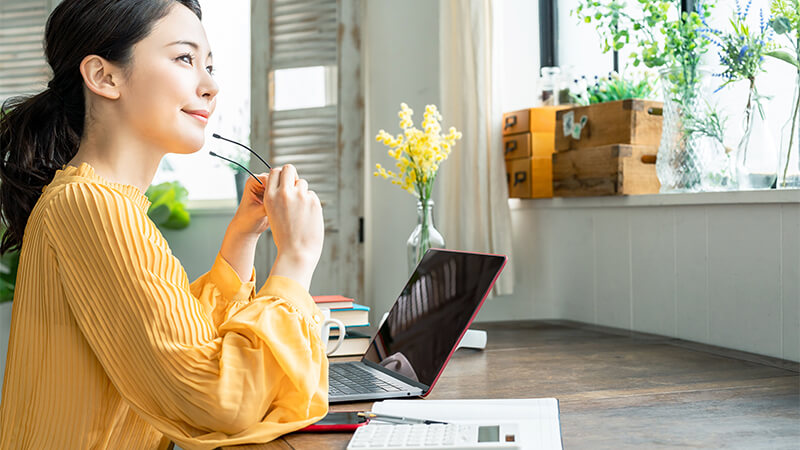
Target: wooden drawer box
(526,145)
(635,122)
(530,177)
(541,119)
(609,170)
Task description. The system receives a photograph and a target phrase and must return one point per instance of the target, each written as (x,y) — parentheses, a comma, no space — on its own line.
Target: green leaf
(179,218)
(159,214)
(781,25)
(784,56)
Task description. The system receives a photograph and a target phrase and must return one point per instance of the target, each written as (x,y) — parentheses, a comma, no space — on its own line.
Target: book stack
(355,318)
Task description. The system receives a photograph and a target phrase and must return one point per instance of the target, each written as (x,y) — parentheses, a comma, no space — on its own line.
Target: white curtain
(474,215)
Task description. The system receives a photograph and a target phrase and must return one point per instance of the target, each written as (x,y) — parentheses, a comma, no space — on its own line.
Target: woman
(111,346)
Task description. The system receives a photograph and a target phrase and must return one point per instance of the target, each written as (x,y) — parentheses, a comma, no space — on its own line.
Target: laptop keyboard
(346,379)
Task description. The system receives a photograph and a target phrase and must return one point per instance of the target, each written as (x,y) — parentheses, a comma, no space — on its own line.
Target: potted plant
(741,51)
(168,205)
(612,88)
(672,41)
(611,110)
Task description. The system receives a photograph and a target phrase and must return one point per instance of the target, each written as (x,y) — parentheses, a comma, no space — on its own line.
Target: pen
(396,419)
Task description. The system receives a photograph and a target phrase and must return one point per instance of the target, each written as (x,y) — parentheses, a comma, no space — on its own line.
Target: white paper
(537,418)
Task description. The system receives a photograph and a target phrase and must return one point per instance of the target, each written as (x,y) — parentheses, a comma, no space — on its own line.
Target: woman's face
(169,77)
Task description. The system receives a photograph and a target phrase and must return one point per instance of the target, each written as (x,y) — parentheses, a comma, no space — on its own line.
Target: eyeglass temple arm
(242,145)
(243,167)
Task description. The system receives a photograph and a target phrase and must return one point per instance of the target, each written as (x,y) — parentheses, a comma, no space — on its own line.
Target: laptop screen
(435,307)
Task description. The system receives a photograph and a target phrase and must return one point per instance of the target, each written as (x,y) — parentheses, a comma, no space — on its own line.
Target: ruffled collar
(84,170)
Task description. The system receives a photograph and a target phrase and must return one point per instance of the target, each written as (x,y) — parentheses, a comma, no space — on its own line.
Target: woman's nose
(208,86)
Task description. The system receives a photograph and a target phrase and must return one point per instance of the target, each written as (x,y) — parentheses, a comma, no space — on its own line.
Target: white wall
(401,64)
(718,268)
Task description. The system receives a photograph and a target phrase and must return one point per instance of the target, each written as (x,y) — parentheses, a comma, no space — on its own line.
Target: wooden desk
(619,389)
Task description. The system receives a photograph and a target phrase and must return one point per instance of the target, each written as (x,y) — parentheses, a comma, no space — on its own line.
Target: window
(304,87)
(227,25)
(578,52)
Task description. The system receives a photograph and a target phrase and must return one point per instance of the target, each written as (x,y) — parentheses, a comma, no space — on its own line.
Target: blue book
(355,316)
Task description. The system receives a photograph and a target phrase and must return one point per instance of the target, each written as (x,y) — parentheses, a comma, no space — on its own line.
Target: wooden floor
(622,390)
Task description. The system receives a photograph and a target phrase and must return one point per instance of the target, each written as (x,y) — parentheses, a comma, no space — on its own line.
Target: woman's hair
(41,133)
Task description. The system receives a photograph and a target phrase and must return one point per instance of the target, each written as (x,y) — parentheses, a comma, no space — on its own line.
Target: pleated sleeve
(208,364)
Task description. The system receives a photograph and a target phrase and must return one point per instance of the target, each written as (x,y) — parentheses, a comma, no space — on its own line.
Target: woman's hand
(250,219)
(248,223)
(295,215)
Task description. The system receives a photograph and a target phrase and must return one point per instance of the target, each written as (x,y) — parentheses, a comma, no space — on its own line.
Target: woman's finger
(301,185)
(288,176)
(274,179)
(260,181)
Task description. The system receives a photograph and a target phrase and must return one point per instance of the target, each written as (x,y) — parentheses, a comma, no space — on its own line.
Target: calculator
(437,435)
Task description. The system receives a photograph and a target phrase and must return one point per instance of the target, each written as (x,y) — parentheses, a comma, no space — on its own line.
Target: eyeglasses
(241,145)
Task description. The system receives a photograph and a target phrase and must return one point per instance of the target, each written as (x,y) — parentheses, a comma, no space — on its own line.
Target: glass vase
(689,158)
(789,162)
(424,236)
(756,153)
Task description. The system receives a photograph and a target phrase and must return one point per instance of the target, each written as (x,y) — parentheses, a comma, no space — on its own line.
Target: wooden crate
(617,169)
(540,119)
(635,122)
(537,144)
(530,177)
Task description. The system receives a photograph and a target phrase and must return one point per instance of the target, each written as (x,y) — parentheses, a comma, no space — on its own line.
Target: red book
(333,301)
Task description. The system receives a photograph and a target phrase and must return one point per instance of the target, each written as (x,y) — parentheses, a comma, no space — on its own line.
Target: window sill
(214,207)
(790,196)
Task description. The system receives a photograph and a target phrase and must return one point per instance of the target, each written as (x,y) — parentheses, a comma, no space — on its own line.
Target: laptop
(422,330)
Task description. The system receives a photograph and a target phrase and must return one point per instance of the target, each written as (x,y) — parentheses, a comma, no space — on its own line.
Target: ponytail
(38,135)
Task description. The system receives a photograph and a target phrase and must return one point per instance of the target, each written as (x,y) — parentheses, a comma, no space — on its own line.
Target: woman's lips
(198,116)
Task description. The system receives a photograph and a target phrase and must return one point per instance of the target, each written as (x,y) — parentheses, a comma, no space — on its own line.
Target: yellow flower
(417,153)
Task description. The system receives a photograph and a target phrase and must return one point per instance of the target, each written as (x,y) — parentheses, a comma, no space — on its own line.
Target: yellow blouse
(112,347)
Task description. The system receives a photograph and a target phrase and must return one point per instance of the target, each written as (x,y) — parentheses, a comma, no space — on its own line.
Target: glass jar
(689,159)
(425,236)
(550,86)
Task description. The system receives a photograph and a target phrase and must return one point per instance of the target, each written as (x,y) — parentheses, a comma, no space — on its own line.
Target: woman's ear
(101,76)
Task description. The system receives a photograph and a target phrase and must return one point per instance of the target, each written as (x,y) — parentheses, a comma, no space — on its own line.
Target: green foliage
(786,22)
(168,205)
(788,11)
(712,125)
(614,87)
(8,272)
(662,41)
(742,49)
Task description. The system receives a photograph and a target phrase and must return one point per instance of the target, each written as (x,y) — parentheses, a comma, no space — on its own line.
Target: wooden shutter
(302,33)
(325,143)
(23,69)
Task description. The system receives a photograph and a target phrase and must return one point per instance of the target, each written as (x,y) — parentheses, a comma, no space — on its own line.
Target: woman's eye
(210,70)
(188,58)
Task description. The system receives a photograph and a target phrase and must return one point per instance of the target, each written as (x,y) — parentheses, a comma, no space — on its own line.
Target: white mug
(325,331)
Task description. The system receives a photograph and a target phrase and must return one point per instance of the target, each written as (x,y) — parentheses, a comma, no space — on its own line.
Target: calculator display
(433,310)
(489,433)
